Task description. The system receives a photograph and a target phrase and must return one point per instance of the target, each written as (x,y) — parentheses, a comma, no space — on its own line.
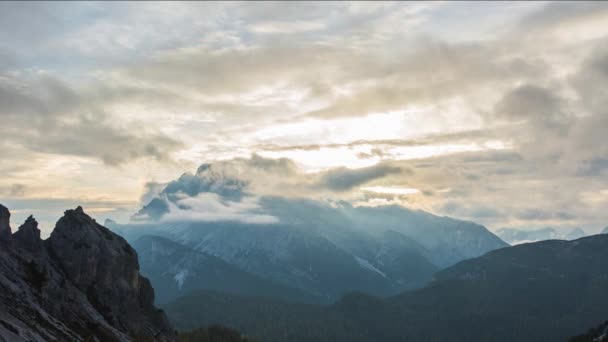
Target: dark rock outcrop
(81,284)
(5,218)
(28,236)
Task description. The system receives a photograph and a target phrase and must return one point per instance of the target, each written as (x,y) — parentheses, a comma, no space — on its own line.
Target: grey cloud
(17,190)
(558,13)
(242,179)
(436,72)
(565,216)
(582,150)
(230,179)
(280,166)
(477,135)
(343,179)
(357,64)
(594,167)
(151,190)
(468,211)
(13,191)
(532,214)
(374,152)
(531,102)
(46,115)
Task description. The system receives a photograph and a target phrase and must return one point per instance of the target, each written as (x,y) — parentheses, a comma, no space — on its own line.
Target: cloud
(533,214)
(14,190)
(507,109)
(471,211)
(210,207)
(151,190)
(46,115)
(17,190)
(531,102)
(273,27)
(343,179)
(238,183)
(566,21)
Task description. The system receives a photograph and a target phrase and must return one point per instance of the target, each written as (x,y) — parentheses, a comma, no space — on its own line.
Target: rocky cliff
(81,284)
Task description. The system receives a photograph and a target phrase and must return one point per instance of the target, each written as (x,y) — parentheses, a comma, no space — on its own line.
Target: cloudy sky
(493,112)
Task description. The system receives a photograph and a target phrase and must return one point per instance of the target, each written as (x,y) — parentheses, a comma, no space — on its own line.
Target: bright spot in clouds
(390,190)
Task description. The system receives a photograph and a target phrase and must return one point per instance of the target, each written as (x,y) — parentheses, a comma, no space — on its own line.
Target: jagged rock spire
(28,235)
(5,218)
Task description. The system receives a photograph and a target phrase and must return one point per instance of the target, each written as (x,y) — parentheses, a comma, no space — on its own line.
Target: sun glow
(391,190)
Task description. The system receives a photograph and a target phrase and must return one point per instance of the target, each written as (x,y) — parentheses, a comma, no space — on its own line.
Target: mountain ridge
(543,291)
(175,269)
(326,248)
(82,283)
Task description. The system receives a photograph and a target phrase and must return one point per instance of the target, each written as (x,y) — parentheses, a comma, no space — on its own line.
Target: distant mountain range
(176,270)
(324,249)
(517,236)
(80,284)
(544,291)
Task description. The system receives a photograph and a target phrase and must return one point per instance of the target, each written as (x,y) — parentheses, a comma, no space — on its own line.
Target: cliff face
(5,229)
(81,284)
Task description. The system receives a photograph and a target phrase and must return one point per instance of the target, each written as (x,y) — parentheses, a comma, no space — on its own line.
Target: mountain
(325,248)
(175,270)
(81,284)
(597,334)
(605,231)
(516,236)
(543,291)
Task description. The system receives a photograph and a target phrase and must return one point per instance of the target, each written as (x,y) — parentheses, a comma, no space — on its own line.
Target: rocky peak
(105,267)
(28,235)
(81,284)
(5,218)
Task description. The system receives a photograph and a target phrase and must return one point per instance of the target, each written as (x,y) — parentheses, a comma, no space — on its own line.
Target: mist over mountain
(325,248)
(543,291)
(515,236)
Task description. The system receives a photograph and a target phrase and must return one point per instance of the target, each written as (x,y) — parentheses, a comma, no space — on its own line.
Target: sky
(493,112)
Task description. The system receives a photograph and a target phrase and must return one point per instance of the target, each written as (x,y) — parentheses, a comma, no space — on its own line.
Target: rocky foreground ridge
(80,284)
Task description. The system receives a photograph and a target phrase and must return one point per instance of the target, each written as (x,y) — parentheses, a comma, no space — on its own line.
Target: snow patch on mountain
(368,266)
(180,277)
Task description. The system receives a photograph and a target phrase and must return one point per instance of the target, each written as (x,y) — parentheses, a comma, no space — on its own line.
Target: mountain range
(176,270)
(543,291)
(322,248)
(83,283)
